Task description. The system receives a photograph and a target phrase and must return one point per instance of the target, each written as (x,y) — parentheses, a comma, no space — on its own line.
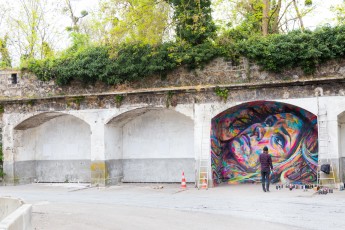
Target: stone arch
(239,133)
(52,147)
(150,144)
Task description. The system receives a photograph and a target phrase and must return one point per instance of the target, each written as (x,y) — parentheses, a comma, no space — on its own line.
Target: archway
(239,133)
(52,147)
(150,145)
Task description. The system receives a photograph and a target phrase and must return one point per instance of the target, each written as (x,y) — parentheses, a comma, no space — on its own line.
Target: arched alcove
(150,145)
(52,147)
(239,133)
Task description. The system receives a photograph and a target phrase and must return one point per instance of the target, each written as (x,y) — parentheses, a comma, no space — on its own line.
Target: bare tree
(69,10)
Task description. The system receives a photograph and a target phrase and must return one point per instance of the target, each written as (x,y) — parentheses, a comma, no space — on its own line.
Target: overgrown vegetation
(296,49)
(134,62)
(222,93)
(118,100)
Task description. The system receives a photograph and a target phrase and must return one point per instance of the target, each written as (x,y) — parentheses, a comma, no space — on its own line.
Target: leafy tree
(5,59)
(29,32)
(193,20)
(131,21)
(340,12)
(252,17)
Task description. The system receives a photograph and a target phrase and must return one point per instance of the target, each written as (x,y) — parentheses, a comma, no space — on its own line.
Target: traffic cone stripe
(204,183)
(183,182)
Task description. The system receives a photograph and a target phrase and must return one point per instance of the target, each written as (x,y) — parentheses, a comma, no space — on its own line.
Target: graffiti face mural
(239,134)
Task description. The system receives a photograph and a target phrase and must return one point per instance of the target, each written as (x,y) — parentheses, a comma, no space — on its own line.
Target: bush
(132,62)
(296,49)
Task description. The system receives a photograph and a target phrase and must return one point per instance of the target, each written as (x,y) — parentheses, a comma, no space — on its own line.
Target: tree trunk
(265,14)
(275,16)
(299,16)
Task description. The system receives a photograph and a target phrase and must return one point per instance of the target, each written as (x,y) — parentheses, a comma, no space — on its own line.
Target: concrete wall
(113,153)
(57,150)
(157,147)
(14,214)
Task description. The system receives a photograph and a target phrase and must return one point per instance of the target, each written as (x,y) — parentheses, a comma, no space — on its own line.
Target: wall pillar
(8,154)
(99,172)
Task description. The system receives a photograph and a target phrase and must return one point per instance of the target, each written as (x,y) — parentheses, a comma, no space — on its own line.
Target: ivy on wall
(133,62)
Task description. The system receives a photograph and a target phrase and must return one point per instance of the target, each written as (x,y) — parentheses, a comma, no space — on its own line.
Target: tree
(265,16)
(5,59)
(131,21)
(340,12)
(268,16)
(30,33)
(193,20)
(69,10)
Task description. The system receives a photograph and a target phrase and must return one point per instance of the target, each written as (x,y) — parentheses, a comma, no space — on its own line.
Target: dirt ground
(166,206)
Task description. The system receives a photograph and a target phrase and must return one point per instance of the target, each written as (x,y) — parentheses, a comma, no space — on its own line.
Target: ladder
(204,163)
(323,141)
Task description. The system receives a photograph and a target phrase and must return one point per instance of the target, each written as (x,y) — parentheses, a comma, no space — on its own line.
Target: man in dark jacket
(266,167)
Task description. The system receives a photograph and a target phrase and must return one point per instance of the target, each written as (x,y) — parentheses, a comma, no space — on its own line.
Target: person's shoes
(263,188)
(267,190)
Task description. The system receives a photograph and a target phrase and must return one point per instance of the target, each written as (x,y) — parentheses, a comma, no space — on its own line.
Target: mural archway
(239,134)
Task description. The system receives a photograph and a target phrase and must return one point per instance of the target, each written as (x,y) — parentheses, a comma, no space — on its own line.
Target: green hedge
(296,49)
(131,62)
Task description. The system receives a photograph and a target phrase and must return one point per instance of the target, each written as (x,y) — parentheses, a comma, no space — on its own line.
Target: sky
(322,14)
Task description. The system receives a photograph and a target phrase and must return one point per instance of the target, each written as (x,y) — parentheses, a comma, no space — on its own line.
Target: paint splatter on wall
(239,134)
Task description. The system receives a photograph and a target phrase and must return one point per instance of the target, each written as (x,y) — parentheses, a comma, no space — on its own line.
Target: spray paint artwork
(239,134)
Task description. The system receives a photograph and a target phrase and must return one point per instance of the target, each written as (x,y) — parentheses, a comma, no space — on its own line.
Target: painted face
(278,132)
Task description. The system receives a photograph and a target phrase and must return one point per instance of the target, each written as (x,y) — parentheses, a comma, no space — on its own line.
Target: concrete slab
(148,206)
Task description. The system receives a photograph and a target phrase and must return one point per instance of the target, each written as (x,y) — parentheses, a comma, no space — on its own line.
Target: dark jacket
(266,162)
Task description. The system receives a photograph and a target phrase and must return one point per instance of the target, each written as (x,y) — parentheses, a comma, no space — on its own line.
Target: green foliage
(296,49)
(2,109)
(193,20)
(222,93)
(118,100)
(339,10)
(131,21)
(5,59)
(308,2)
(133,62)
(168,101)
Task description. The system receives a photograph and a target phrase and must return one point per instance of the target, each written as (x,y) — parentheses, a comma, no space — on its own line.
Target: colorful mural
(239,134)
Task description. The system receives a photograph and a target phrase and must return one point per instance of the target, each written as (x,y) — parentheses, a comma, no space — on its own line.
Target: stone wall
(217,72)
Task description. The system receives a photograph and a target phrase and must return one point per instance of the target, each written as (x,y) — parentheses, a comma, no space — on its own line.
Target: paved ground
(141,206)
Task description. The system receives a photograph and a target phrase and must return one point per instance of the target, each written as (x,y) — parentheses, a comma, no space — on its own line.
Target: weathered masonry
(153,130)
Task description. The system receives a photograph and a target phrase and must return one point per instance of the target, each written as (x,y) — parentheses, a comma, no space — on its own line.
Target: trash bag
(326,168)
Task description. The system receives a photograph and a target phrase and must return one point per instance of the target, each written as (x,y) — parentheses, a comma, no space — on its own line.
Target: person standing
(266,167)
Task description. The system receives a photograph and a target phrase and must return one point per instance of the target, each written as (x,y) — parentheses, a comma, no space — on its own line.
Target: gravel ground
(166,206)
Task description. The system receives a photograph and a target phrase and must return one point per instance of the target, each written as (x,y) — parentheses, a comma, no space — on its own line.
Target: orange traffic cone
(183,182)
(204,183)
